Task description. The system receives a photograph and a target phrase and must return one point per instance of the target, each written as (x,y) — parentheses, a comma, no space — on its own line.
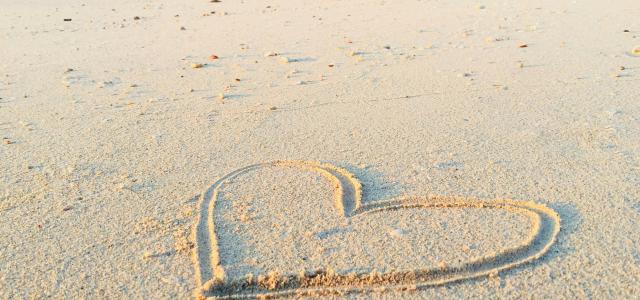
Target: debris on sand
(285,60)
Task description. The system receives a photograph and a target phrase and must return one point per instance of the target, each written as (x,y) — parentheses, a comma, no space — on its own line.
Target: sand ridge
(212,280)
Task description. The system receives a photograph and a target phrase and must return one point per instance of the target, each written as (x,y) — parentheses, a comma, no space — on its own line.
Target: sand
(119,119)
(352,247)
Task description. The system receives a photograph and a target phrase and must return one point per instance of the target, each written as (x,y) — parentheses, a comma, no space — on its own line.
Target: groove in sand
(210,273)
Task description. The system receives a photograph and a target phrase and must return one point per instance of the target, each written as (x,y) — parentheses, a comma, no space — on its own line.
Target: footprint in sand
(389,244)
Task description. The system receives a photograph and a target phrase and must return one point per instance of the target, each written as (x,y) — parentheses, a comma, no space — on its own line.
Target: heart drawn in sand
(212,281)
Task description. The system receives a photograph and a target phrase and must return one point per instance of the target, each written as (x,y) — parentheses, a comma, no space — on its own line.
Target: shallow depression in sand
(284,219)
(279,225)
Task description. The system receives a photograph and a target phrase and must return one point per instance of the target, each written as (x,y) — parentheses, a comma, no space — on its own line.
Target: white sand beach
(319,149)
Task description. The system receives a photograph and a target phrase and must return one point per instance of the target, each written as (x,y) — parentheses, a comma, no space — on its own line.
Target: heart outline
(210,276)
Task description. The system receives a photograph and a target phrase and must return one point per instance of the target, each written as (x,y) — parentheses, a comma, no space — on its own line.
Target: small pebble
(520,65)
(67,20)
(523,46)
(221,96)
(397,233)
(285,60)
(331,65)
(183,28)
(268,54)
(636,51)
(213,57)
(442,265)
(197,65)
(273,108)
(237,79)
(136,18)
(622,68)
